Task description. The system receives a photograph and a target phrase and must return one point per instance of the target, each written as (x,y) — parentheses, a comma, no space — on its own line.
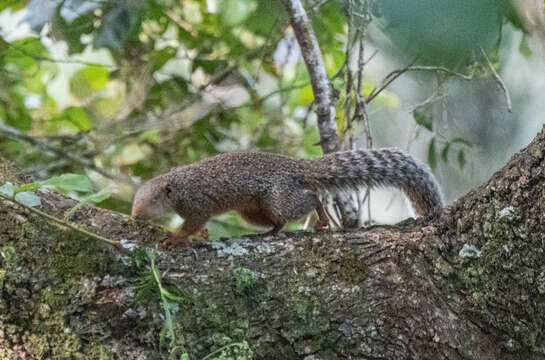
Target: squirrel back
(270,190)
(346,170)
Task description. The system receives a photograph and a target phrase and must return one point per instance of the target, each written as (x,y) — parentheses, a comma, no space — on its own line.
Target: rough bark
(405,291)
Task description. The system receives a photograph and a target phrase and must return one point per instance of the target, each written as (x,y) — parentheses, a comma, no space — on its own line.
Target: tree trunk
(466,284)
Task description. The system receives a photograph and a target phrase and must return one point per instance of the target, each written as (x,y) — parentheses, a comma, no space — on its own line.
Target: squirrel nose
(135,214)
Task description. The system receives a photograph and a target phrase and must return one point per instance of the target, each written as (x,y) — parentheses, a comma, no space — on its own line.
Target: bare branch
(23,51)
(66,224)
(71,61)
(62,153)
(441,69)
(361,115)
(500,82)
(388,79)
(323,97)
(349,73)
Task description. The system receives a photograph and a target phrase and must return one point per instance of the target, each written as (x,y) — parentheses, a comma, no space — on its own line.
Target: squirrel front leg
(190,226)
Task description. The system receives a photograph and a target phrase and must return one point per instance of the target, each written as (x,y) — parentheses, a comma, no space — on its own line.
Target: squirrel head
(150,200)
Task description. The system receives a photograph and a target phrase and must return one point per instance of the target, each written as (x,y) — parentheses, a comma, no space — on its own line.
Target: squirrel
(270,190)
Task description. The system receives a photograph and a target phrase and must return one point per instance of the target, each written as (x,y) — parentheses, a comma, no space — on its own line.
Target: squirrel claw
(173,240)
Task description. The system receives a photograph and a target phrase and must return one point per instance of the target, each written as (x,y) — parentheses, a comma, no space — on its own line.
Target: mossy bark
(466,284)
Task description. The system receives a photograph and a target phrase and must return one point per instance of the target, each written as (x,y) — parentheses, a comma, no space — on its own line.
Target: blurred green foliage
(138,86)
(443,32)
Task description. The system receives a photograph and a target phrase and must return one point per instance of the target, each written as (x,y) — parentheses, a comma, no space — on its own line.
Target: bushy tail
(353,169)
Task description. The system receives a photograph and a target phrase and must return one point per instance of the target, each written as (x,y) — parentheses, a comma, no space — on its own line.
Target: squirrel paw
(172,240)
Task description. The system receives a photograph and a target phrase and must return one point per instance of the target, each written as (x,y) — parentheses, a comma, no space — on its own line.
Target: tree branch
(62,153)
(388,79)
(66,224)
(321,86)
(500,82)
(460,285)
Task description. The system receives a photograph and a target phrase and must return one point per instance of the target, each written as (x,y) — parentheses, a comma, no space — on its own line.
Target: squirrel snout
(136,213)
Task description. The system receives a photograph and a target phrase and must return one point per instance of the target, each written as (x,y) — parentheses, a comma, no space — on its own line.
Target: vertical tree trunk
(322,89)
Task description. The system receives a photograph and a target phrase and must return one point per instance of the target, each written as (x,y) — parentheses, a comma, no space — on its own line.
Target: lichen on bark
(467,284)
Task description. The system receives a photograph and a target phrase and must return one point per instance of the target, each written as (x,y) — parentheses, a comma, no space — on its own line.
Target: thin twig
(162,122)
(370,57)
(349,74)
(60,61)
(432,98)
(500,82)
(441,69)
(388,79)
(115,243)
(14,133)
(69,61)
(332,218)
(362,115)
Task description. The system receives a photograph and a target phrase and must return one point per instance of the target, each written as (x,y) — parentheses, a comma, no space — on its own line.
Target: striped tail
(350,170)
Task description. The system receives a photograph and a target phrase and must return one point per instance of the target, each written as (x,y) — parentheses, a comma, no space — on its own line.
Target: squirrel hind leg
(262,218)
(323,219)
(293,203)
(258,217)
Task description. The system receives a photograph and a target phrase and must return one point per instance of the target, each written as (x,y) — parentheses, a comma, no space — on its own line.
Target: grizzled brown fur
(270,190)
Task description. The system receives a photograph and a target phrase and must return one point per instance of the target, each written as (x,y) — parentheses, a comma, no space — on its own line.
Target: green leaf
(28,198)
(462,141)
(461,159)
(152,136)
(70,182)
(77,117)
(210,66)
(7,189)
(97,76)
(446,149)
(13,4)
(21,55)
(164,93)
(161,57)
(233,12)
(264,18)
(72,31)
(93,198)
(432,154)
(170,295)
(444,153)
(27,187)
(87,80)
(13,110)
(524,49)
(423,119)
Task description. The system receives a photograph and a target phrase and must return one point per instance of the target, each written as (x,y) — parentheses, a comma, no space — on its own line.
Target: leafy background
(123,90)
